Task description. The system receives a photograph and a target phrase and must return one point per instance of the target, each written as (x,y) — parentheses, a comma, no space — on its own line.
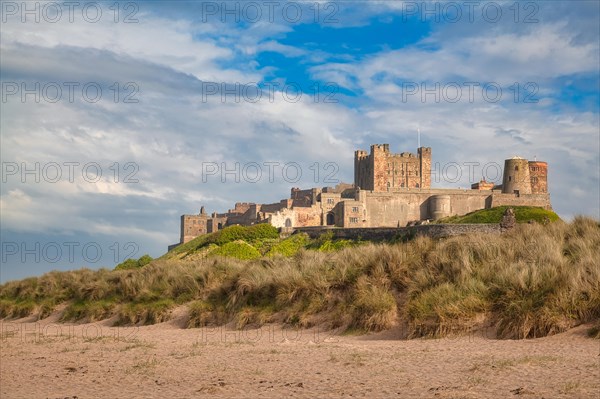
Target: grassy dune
(523,214)
(532,281)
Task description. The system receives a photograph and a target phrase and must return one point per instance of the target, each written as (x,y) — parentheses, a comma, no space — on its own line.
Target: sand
(51,360)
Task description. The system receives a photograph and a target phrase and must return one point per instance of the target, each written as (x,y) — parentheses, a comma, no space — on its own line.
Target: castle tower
(383,171)
(379,170)
(516,178)
(424,154)
(193,225)
(538,171)
(361,170)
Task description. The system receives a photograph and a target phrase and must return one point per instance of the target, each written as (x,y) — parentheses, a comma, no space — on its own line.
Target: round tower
(516,177)
(440,206)
(538,171)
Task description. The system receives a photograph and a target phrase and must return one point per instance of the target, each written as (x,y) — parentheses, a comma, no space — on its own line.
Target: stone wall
(538,173)
(383,233)
(541,200)
(303,197)
(398,207)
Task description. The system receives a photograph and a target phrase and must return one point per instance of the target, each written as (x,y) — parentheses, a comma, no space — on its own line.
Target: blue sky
(369,62)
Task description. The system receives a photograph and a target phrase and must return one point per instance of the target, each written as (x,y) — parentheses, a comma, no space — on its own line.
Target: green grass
(523,214)
(289,246)
(134,263)
(237,249)
(250,234)
(254,235)
(251,242)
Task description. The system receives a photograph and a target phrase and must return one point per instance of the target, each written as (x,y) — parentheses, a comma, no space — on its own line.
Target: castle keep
(389,190)
(381,170)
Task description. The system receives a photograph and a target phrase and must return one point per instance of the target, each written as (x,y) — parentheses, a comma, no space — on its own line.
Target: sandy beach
(54,360)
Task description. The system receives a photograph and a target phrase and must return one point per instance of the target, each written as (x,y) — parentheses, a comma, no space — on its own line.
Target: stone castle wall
(386,233)
(389,191)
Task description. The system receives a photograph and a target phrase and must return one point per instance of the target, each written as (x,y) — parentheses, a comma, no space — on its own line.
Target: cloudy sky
(116,118)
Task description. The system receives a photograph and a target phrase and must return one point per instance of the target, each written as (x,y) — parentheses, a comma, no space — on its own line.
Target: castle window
(354,209)
(353,220)
(330,219)
(330,201)
(516,168)
(509,178)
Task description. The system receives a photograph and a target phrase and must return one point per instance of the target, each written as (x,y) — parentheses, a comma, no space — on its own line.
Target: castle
(389,190)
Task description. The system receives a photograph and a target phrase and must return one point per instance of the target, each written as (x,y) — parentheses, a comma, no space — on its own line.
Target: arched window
(517,167)
(288,222)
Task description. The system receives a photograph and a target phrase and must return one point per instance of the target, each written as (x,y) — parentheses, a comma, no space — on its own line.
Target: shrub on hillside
(290,246)
(237,249)
(254,233)
(134,263)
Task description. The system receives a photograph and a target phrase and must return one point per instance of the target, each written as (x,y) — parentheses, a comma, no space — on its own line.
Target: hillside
(523,214)
(252,242)
(533,281)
